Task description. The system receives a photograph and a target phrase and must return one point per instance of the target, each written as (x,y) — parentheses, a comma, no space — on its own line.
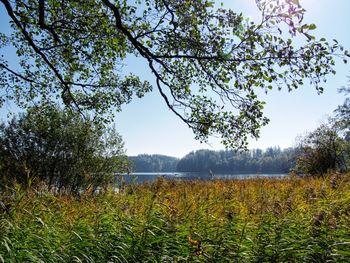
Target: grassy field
(256,220)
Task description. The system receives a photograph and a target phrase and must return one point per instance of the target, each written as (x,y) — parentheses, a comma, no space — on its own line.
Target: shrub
(321,151)
(62,148)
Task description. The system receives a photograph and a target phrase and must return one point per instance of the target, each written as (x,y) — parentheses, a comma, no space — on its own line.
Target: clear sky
(147,126)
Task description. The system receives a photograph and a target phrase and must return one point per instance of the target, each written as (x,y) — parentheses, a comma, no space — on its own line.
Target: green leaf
(312,27)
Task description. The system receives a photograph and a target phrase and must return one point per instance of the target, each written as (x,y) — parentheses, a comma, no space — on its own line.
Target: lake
(148,177)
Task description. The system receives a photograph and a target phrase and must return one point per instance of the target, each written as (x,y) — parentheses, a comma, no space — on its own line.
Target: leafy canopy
(201,57)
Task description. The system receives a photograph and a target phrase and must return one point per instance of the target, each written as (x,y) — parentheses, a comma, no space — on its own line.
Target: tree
(342,113)
(321,151)
(199,55)
(61,149)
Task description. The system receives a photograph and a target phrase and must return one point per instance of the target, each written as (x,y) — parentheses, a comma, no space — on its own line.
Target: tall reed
(256,220)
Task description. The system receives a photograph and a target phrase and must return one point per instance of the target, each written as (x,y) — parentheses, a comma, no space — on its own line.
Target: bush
(321,151)
(61,148)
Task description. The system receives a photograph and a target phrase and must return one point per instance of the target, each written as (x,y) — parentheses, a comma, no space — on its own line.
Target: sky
(147,126)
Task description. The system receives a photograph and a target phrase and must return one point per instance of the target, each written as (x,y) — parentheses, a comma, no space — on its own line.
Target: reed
(256,220)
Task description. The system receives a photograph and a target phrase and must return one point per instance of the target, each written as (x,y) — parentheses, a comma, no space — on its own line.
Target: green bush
(61,148)
(321,151)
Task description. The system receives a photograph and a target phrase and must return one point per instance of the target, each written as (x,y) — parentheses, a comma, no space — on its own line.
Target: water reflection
(148,177)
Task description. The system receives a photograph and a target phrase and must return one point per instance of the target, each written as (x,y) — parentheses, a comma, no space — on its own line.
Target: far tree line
(271,160)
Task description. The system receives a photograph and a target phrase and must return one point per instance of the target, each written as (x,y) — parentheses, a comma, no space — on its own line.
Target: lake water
(147,177)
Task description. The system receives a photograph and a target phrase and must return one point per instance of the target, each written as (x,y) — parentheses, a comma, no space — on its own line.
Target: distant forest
(271,160)
(154,163)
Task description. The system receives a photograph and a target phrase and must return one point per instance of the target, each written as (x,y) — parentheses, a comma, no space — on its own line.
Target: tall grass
(257,220)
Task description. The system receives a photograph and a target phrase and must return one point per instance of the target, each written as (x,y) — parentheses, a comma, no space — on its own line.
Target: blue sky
(147,126)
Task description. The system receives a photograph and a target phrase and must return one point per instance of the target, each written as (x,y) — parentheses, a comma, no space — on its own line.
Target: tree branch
(42,23)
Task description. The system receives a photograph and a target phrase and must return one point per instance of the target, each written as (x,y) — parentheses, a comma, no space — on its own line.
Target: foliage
(200,55)
(342,113)
(272,160)
(321,151)
(255,220)
(60,148)
(153,163)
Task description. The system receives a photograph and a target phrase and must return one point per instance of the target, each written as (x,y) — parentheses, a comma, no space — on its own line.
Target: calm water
(146,177)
